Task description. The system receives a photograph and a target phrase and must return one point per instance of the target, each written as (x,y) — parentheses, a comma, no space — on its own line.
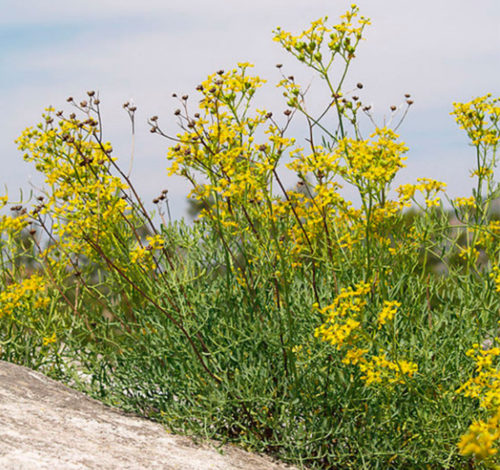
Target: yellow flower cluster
(24,297)
(495,275)
(13,225)
(84,200)
(470,254)
(220,144)
(480,119)
(371,165)
(387,314)
(428,187)
(481,439)
(144,255)
(465,202)
(50,339)
(485,385)
(341,39)
(341,316)
(343,328)
(379,370)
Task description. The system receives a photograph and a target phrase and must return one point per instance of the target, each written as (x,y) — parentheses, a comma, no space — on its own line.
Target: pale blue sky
(439,51)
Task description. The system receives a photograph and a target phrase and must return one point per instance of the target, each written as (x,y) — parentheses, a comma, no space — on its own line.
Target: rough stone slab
(46,425)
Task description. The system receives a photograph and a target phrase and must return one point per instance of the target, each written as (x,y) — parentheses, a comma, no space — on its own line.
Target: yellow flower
(50,339)
(387,314)
(481,438)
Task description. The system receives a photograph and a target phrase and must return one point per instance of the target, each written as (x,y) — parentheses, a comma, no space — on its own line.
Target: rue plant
(287,319)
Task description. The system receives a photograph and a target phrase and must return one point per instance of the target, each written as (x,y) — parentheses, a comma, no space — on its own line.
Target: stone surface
(46,425)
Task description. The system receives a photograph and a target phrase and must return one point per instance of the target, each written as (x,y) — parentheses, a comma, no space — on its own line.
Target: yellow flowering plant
(286,318)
